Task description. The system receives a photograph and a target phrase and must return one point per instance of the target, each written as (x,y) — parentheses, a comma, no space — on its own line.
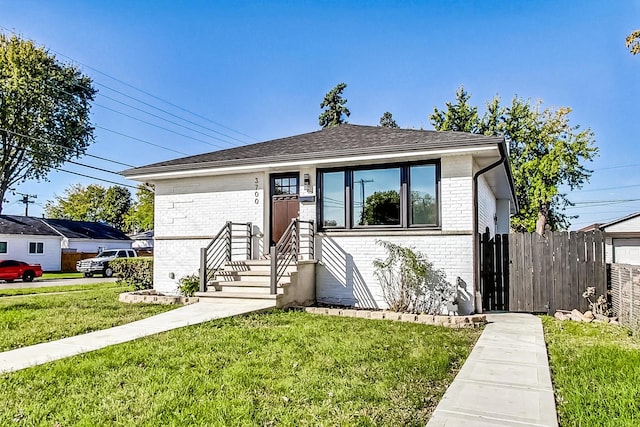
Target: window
(36,248)
(398,196)
(3,247)
(285,185)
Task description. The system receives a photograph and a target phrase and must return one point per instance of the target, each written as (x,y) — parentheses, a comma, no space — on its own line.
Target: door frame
(272,189)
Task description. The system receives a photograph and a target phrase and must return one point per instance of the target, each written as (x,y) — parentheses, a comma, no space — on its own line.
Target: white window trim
(35,253)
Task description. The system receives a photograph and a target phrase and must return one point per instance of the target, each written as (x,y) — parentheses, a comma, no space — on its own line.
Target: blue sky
(260,69)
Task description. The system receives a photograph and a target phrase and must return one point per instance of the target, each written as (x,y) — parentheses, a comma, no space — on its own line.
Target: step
(264,289)
(245,276)
(240,295)
(254,265)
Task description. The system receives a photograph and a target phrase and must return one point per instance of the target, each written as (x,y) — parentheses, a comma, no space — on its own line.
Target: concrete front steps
(248,280)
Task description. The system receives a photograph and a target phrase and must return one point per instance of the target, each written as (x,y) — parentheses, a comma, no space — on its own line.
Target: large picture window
(399,196)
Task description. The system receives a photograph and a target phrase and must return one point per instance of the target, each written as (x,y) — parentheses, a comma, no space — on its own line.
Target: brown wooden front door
(284,203)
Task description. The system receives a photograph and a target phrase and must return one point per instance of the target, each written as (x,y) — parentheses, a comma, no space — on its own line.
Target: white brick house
(433,191)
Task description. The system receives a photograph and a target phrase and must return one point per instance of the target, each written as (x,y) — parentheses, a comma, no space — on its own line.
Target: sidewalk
(505,381)
(200,312)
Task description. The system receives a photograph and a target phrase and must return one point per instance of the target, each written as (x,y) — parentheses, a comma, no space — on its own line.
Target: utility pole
(26,200)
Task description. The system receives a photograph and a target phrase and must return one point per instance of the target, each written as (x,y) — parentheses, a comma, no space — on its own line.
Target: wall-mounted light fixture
(307,180)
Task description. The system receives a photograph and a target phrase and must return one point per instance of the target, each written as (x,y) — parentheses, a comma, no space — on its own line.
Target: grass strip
(59,275)
(596,373)
(64,288)
(280,368)
(47,317)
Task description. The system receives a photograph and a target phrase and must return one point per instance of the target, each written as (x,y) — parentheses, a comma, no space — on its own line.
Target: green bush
(134,271)
(189,285)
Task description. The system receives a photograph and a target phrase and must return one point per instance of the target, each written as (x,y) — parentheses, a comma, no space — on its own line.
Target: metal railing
(233,239)
(287,250)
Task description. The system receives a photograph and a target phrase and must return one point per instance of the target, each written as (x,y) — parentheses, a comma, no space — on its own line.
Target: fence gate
(532,273)
(494,271)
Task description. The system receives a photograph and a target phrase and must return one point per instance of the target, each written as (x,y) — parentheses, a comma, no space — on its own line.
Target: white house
(622,239)
(41,240)
(88,236)
(429,190)
(30,240)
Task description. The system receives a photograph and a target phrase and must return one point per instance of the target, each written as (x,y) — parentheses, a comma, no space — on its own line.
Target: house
(42,240)
(622,239)
(30,240)
(143,240)
(354,185)
(88,236)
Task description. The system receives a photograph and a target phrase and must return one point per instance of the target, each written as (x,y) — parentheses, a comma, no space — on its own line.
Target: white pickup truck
(100,264)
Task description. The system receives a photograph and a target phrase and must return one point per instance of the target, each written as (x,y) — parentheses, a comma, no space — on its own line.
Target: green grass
(34,319)
(59,275)
(596,373)
(65,288)
(280,368)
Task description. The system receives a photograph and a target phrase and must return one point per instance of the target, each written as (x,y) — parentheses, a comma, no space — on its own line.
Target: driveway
(39,283)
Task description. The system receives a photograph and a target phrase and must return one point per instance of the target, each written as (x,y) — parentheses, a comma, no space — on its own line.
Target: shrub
(134,271)
(410,283)
(189,285)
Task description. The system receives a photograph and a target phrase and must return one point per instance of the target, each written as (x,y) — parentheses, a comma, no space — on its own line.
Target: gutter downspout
(476,239)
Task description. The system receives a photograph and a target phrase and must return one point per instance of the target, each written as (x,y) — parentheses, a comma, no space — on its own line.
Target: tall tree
(92,203)
(115,206)
(387,121)
(335,107)
(633,42)
(140,216)
(546,152)
(44,112)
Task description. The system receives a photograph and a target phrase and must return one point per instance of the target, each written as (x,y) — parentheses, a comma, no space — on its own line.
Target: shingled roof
(86,230)
(25,225)
(343,140)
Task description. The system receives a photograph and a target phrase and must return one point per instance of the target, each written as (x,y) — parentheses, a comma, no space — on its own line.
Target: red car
(11,270)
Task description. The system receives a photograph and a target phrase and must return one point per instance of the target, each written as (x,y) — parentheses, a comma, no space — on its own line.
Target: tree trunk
(543,219)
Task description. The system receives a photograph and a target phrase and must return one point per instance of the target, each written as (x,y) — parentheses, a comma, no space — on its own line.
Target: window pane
(3,247)
(32,247)
(333,199)
(376,197)
(424,209)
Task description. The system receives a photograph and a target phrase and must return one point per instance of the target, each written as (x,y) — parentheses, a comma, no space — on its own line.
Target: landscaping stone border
(473,321)
(150,296)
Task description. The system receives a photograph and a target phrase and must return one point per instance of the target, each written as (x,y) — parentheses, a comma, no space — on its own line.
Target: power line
(62,146)
(617,167)
(97,179)
(140,140)
(141,91)
(164,111)
(608,188)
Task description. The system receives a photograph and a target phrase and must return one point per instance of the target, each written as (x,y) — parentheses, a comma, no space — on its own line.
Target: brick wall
(486,207)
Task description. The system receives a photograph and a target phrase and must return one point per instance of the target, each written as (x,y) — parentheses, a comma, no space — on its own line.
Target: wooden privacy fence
(532,273)
(625,294)
(69,259)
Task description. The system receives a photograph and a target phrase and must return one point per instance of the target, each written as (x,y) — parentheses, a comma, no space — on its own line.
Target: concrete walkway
(200,312)
(505,381)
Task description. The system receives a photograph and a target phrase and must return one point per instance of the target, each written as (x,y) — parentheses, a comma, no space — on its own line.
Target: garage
(626,251)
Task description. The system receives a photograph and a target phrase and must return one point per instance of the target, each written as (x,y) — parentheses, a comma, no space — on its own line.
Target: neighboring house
(30,240)
(142,240)
(433,191)
(86,236)
(41,240)
(622,239)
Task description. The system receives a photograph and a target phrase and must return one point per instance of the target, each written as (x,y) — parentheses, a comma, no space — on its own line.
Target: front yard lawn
(27,320)
(596,373)
(280,368)
(64,288)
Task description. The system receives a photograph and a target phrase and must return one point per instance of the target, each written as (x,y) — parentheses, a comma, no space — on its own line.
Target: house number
(256,194)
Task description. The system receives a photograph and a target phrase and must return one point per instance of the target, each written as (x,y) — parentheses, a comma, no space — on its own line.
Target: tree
(386,121)
(633,42)
(115,206)
(92,203)
(545,151)
(44,112)
(140,216)
(381,207)
(335,108)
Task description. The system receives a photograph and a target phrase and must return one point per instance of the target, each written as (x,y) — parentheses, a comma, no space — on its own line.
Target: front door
(284,203)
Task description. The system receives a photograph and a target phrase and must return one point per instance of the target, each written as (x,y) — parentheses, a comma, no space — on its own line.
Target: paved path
(41,283)
(200,312)
(505,381)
